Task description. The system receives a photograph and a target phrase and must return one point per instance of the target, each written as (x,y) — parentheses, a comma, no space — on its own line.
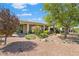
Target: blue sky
(27,11)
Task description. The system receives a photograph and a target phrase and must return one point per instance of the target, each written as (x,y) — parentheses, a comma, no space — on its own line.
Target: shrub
(46,31)
(36,30)
(30,36)
(44,34)
(40,33)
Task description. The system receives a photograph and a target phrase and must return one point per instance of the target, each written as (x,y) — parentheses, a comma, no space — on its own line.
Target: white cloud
(25,14)
(33,3)
(19,5)
(40,9)
(39,19)
(24,9)
(22,5)
(36,19)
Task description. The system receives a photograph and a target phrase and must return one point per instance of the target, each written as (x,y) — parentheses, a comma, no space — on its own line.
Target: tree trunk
(54,30)
(66,33)
(5,42)
(65,36)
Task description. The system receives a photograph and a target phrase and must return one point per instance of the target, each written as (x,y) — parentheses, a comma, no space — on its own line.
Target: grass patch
(30,36)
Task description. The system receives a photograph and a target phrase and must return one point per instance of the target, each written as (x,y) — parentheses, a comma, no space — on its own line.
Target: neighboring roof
(31,22)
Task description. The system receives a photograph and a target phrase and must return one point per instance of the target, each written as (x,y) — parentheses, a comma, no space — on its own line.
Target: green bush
(46,31)
(40,33)
(36,30)
(44,34)
(30,36)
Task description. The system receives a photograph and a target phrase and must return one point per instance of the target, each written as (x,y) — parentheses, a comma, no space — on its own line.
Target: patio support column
(23,29)
(49,29)
(28,28)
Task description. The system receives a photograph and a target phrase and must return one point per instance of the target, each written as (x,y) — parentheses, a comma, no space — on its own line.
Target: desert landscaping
(43,29)
(55,46)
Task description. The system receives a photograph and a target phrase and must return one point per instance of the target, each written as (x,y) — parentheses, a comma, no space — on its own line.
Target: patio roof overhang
(32,23)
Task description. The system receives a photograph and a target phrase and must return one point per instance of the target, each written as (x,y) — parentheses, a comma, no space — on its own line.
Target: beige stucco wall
(26,27)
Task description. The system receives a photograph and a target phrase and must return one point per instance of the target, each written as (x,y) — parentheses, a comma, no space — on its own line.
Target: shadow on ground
(19,46)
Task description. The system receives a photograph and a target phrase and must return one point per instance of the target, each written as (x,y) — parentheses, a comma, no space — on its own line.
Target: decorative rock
(45,39)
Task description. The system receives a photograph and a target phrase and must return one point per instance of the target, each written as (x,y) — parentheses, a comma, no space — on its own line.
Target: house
(26,26)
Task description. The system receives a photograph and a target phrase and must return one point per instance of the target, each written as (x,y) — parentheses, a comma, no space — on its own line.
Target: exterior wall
(27,28)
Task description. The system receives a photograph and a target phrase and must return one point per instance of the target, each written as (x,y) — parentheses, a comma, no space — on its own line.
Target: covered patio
(26,26)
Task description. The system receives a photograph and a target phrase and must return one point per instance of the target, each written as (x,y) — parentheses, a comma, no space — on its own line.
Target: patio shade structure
(26,26)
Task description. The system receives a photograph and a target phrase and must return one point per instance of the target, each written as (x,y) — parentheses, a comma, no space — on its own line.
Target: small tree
(8,23)
(65,15)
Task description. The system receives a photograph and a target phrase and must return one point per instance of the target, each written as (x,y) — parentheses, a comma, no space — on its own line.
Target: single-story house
(26,26)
